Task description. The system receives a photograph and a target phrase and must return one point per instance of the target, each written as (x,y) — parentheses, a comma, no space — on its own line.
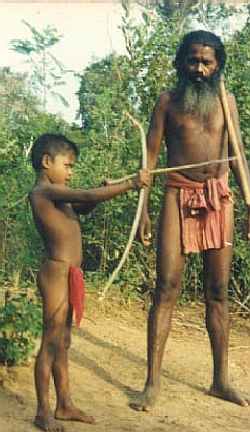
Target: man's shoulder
(165,97)
(164,100)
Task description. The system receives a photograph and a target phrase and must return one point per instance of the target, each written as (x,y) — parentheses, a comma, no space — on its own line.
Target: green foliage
(20,325)
(46,71)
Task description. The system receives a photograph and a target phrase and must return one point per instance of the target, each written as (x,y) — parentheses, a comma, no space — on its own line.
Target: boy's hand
(106,182)
(142,179)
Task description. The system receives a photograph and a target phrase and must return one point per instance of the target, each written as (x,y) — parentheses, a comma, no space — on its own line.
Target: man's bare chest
(190,125)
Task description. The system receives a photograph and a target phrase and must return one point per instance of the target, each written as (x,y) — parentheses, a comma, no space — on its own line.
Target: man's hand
(145,229)
(142,179)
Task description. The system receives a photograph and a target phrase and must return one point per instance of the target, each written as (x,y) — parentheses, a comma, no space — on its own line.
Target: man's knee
(216,292)
(167,290)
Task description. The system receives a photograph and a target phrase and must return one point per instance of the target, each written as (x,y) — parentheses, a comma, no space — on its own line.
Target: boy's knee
(57,343)
(54,335)
(67,341)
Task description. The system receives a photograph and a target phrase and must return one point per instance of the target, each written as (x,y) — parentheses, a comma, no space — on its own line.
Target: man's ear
(46,161)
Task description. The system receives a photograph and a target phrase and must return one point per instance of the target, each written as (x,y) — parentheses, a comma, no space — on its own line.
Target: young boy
(55,210)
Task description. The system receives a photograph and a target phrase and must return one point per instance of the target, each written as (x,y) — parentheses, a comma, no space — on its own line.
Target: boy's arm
(84,208)
(90,197)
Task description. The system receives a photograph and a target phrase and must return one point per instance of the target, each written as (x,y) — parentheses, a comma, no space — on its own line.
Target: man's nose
(200,68)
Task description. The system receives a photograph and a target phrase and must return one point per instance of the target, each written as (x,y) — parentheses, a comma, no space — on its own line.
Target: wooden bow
(136,221)
(234,139)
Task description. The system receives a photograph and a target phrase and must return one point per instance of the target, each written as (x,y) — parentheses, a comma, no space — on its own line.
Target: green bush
(20,324)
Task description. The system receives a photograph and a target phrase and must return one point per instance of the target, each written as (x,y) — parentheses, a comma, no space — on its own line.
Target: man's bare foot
(229,394)
(74,414)
(48,424)
(147,399)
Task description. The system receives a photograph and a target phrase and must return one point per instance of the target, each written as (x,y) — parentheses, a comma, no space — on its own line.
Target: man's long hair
(200,37)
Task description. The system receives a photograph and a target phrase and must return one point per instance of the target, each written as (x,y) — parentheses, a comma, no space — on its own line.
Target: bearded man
(197,211)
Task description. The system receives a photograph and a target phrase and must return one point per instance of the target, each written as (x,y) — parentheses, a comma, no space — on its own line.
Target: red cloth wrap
(205,212)
(76,293)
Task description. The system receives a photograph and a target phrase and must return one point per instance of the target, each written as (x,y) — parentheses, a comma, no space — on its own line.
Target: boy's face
(60,168)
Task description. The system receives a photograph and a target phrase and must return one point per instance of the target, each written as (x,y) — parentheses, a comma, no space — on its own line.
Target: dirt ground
(107,370)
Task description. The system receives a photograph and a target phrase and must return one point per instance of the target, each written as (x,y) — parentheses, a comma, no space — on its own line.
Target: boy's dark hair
(201,37)
(51,144)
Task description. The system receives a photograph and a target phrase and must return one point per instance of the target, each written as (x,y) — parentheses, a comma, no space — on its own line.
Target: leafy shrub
(20,324)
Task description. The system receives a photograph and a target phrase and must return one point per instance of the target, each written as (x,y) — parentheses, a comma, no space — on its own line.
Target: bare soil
(107,370)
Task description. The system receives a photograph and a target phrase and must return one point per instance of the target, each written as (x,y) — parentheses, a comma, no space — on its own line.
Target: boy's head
(51,145)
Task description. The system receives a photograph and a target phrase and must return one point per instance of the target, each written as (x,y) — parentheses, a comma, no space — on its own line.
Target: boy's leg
(65,410)
(217,264)
(170,263)
(52,283)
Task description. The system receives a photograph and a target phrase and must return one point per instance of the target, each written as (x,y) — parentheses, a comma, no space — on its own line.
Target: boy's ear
(46,161)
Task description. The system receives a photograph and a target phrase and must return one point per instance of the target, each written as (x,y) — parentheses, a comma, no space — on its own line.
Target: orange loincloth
(205,212)
(76,293)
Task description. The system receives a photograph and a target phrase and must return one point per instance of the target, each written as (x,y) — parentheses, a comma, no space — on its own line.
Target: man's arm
(154,139)
(234,165)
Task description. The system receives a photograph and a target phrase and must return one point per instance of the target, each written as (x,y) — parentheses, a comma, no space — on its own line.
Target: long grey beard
(198,98)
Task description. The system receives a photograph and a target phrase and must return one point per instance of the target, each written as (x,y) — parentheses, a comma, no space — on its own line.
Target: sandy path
(107,369)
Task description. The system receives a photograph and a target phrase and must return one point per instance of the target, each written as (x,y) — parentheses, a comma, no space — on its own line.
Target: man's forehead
(201,50)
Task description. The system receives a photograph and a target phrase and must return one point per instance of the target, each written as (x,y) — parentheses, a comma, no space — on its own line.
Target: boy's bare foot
(229,394)
(48,424)
(147,399)
(74,414)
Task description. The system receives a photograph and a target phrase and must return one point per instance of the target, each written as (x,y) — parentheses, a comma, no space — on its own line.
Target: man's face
(60,168)
(200,63)
(199,79)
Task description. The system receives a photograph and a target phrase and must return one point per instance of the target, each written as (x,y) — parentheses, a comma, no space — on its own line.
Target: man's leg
(170,263)
(217,264)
